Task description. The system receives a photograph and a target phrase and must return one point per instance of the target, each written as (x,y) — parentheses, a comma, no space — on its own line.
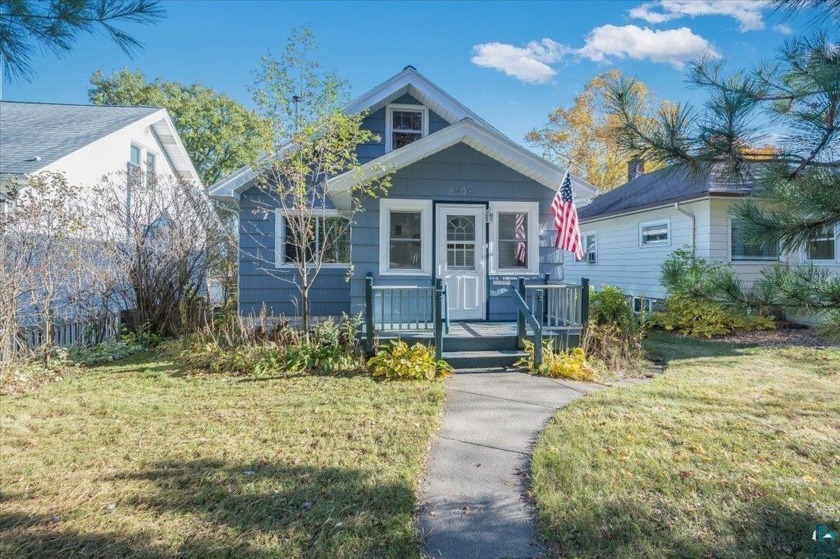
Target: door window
(460,242)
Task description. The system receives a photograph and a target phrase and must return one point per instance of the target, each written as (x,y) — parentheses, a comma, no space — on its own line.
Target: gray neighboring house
(628,232)
(467,205)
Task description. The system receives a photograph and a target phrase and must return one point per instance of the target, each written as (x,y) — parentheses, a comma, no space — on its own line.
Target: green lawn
(135,460)
(734,452)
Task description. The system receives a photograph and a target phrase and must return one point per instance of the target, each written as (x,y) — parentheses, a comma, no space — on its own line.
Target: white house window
(328,236)
(590,247)
(655,233)
(642,305)
(822,247)
(405,124)
(134,158)
(151,169)
(405,236)
(742,250)
(514,234)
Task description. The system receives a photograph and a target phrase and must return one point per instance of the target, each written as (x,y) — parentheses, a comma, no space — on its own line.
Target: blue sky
(511,62)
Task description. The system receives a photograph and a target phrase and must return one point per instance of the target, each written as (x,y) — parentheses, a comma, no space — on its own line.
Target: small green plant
(610,306)
(107,351)
(569,364)
(401,361)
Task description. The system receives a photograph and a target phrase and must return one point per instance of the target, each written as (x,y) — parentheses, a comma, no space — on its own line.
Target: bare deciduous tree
(314,142)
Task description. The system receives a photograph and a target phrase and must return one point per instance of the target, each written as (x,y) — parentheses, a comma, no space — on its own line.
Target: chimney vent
(635,168)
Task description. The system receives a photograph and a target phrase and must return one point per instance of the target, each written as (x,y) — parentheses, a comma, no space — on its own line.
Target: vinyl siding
(375,122)
(458,174)
(750,272)
(622,262)
(262,284)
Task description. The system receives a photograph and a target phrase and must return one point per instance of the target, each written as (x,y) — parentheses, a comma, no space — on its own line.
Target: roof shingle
(51,131)
(671,184)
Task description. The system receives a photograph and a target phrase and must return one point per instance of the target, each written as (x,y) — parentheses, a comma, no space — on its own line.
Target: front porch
(545,310)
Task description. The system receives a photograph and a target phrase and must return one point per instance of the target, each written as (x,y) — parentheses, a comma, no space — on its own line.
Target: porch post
(520,318)
(538,341)
(438,317)
(369,312)
(584,304)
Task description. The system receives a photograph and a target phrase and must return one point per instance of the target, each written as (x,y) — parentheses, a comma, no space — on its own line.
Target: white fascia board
(416,84)
(479,138)
(165,129)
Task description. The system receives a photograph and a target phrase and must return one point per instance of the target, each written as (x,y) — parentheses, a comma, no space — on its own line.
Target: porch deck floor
(465,329)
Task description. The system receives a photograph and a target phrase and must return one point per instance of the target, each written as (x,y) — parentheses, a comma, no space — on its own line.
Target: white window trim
(583,237)
(533,240)
(140,154)
(389,122)
(388,205)
(747,259)
(824,261)
(643,224)
(280,240)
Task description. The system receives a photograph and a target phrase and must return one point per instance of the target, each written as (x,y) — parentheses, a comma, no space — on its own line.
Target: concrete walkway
(472,501)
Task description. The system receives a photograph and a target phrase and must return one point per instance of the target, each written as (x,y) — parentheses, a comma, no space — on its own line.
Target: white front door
(460,259)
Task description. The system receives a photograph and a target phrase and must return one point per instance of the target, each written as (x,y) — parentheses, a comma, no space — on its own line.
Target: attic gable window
(405,124)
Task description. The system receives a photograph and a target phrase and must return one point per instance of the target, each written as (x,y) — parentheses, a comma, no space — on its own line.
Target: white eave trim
(421,88)
(408,81)
(486,141)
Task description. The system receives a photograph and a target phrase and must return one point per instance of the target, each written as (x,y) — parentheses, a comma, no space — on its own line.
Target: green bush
(569,364)
(693,316)
(401,361)
(708,300)
(610,306)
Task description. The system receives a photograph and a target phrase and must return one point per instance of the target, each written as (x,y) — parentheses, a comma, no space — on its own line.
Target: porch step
(454,343)
(489,359)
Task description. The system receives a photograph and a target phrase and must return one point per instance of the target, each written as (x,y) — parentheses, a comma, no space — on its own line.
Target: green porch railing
(405,308)
(551,309)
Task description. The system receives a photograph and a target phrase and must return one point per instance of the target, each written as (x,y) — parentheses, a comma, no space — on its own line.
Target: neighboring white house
(628,233)
(87,142)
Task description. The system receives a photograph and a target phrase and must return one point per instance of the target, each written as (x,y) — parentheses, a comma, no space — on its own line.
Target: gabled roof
(662,187)
(478,137)
(420,87)
(35,135)
(465,126)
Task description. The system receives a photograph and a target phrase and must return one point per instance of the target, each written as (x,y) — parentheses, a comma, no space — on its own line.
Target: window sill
(324,265)
(410,273)
(514,272)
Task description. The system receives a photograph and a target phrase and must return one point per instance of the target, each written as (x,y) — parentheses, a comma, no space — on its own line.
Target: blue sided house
(467,206)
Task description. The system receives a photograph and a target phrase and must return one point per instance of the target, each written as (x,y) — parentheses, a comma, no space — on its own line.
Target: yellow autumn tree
(585,137)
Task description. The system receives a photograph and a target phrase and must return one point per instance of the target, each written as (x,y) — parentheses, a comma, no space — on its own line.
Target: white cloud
(783,29)
(529,64)
(748,13)
(673,46)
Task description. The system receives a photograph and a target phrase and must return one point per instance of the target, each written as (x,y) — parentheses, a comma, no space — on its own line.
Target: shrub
(569,364)
(694,316)
(401,361)
(228,347)
(610,306)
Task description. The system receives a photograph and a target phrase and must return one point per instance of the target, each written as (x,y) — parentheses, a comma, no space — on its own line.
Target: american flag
(566,219)
(521,235)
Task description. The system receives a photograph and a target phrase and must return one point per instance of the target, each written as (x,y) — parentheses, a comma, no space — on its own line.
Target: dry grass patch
(733,453)
(134,460)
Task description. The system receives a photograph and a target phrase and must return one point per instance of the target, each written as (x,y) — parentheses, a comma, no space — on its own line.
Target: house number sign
(461,190)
